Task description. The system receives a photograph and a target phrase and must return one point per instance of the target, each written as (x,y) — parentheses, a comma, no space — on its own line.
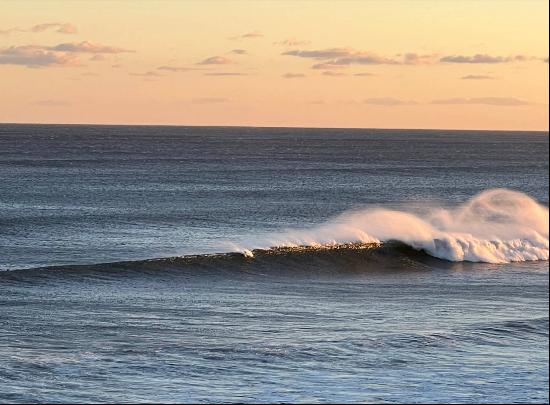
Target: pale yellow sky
(377,64)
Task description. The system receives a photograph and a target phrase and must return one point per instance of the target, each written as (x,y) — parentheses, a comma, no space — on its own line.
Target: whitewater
(494,226)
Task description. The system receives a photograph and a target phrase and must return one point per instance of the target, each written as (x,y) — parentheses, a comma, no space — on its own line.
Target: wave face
(495,226)
(289,262)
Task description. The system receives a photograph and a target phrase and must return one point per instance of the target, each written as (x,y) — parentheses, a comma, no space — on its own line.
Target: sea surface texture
(195,264)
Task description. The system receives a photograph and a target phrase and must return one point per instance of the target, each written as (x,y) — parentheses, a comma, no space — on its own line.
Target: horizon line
(271,127)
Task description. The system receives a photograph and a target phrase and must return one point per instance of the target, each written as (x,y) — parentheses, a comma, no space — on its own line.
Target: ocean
(226,264)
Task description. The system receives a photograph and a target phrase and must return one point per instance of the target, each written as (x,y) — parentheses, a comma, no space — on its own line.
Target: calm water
(389,324)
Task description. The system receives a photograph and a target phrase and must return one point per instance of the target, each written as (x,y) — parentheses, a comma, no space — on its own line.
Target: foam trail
(495,226)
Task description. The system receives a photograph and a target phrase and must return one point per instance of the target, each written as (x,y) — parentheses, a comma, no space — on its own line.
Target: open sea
(225,264)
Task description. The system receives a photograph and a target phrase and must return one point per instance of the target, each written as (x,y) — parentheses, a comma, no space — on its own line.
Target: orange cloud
(216,60)
(292,42)
(495,101)
(63,28)
(35,56)
(248,35)
(333,74)
(483,58)
(294,76)
(477,77)
(87,47)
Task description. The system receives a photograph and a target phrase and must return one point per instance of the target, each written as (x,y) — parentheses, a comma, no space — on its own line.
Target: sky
(471,64)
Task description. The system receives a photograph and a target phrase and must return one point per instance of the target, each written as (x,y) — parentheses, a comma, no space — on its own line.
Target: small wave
(495,226)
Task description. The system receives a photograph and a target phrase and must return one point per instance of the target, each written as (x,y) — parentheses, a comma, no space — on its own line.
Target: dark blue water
(389,324)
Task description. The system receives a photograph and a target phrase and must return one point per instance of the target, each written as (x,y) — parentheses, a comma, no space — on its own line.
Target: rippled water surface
(376,324)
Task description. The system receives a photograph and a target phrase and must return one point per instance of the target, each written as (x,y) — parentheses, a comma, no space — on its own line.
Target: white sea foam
(495,226)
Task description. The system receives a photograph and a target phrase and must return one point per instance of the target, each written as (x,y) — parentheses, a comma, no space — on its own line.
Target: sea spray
(495,226)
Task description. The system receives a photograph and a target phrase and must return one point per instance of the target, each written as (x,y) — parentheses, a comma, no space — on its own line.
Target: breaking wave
(495,226)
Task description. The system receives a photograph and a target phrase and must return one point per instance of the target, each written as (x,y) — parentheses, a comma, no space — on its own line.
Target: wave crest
(495,226)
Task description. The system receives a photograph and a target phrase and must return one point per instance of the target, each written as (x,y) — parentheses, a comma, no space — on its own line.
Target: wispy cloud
(332,73)
(364,74)
(248,35)
(495,101)
(322,54)
(292,42)
(483,59)
(238,51)
(149,74)
(87,47)
(10,31)
(63,28)
(326,66)
(98,57)
(216,60)
(412,58)
(293,76)
(332,58)
(477,77)
(389,102)
(176,68)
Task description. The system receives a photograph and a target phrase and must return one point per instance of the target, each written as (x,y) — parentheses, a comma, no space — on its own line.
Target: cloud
(176,68)
(389,102)
(98,57)
(216,60)
(292,42)
(333,74)
(477,77)
(364,59)
(334,57)
(58,55)
(412,58)
(330,58)
(294,76)
(326,66)
(364,74)
(210,100)
(249,35)
(239,51)
(483,58)
(35,56)
(149,74)
(11,31)
(225,74)
(321,54)
(63,28)
(495,101)
(88,47)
